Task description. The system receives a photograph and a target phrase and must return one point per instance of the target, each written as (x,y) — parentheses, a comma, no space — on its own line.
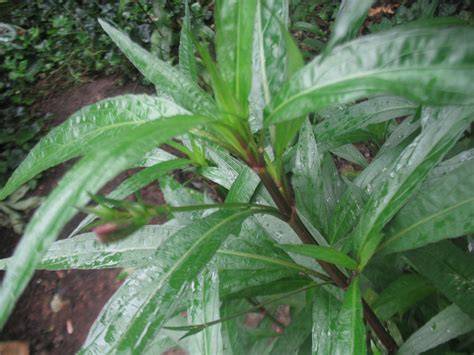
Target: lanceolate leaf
(88,175)
(343,121)
(168,79)
(187,60)
(307,176)
(400,295)
(92,124)
(286,131)
(86,252)
(443,128)
(448,324)
(327,254)
(349,20)
(449,269)
(141,306)
(429,64)
(235,28)
(204,308)
(325,313)
(439,211)
(350,331)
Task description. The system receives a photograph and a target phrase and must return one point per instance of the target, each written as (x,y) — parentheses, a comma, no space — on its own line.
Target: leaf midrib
(423,221)
(368,73)
(177,265)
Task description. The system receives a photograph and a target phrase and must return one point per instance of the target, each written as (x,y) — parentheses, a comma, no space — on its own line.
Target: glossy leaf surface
(142,305)
(442,130)
(339,123)
(325,314)
(123,151)
(89,126)
(444,209)
(187,60)
(446,325)
(168,79)
(204,308)
(235,28)
(350,331)
(429,64)
(328,254)
(449,269)
(86,252)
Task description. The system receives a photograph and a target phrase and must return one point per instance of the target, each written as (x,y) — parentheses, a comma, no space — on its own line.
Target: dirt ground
(57,309)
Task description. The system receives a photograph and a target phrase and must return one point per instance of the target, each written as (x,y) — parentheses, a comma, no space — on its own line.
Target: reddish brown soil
(83,293)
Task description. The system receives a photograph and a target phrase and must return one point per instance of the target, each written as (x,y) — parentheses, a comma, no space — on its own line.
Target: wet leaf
(234,36)
(442,129)
(326,308)
(86,252)
(141,306)
(204,308)
(187,60)
(328,254)
(350,332)
(449,269)
(429,64)
(89,126)
(166,78)
(448,324)
(124,150)
(441,210)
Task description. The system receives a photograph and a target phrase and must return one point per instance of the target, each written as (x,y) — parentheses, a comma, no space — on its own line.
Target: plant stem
(334,273)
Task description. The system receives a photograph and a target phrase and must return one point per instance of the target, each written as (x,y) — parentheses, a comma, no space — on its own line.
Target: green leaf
(349,20)
(339,123)
(441,210)
(123,151)
(326,309)
(176,194)
(86,252)
(204,308)
(141,306)
(328,254)
(431,64)
(295,334)
(350,331)
(168,79)
(346,212)
(136,182)
(276,58)
(350,153)
(442,130)
(243,187)
(87,127)
(401,295)
(187,60)
(286,131)
(234,35)
(307,177)
(449,269)
(448,324)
